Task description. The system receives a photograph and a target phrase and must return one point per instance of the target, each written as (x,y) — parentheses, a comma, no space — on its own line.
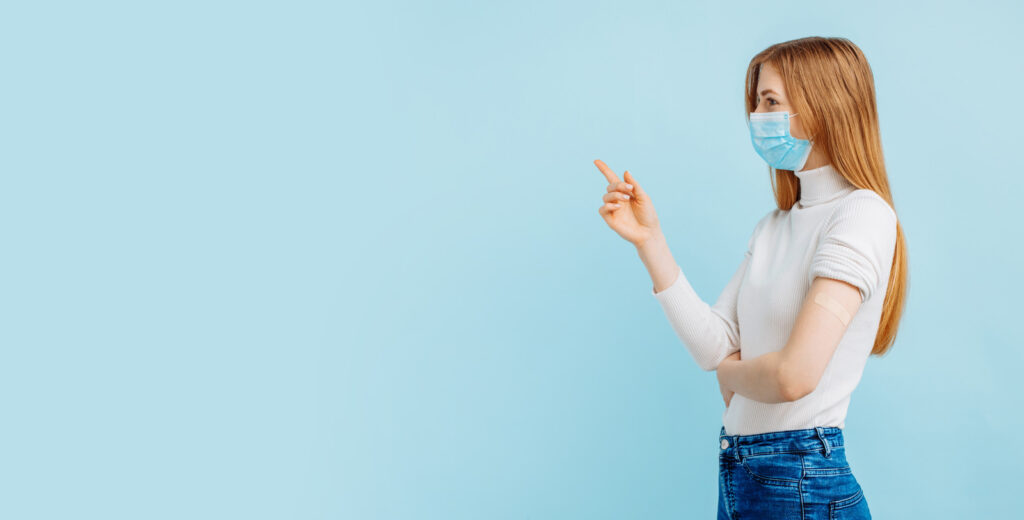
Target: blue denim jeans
(798,474)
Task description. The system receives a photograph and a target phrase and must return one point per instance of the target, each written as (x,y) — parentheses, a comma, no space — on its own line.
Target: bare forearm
(658,260)
(756,378)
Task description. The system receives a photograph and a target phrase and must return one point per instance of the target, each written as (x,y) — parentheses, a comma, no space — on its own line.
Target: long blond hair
(829,83)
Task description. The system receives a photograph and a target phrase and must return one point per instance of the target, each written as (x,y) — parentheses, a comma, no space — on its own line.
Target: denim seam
(813,450)
(844,503)
(828,472)
(730,497)
(800,486)
(772,481)
(821,440)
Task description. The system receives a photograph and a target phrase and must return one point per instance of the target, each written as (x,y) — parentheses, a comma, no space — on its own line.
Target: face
(771,97)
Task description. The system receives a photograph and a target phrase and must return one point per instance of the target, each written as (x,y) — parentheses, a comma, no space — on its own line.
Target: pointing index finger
(608,173)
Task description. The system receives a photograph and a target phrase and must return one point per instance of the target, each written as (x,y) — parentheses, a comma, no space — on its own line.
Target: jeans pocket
(784,469)
(818,465)
(853,507)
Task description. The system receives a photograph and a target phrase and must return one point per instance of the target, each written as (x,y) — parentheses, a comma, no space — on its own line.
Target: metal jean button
(725,443)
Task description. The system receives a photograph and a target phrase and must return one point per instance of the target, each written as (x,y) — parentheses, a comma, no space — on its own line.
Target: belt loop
(824,442)
(733,444)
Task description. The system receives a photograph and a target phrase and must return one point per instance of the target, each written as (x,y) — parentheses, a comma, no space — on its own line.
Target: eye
(772,101)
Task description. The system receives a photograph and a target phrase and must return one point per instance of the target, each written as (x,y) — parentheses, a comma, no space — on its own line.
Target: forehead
(769,79)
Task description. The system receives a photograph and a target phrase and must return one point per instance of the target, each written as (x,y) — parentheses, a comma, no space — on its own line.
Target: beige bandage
(831,304)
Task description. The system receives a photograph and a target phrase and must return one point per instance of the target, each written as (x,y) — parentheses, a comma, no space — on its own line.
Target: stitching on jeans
(800,486)
(845,467)
(827,472)
(844,503)
(814,450)
(730,499)
(772,481)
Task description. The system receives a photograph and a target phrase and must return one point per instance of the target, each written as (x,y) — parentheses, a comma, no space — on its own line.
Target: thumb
(637,190)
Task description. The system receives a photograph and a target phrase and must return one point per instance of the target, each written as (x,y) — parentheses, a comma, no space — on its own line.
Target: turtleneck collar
(821,185)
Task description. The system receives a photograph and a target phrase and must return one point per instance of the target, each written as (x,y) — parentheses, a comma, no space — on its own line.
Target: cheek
(796,130)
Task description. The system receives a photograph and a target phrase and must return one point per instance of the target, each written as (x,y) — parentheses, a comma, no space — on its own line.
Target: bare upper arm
(818,328)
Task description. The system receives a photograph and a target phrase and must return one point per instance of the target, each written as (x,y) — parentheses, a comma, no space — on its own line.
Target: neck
(821,184)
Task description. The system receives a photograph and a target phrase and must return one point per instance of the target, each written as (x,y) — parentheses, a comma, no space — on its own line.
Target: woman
(819,289)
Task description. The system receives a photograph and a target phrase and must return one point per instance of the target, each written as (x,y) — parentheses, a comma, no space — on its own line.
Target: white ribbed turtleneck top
(835,231)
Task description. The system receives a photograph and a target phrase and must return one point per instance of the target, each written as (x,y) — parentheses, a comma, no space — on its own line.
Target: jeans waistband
(819,438)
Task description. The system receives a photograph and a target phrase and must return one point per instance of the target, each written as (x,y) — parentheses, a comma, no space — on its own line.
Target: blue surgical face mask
(769,132)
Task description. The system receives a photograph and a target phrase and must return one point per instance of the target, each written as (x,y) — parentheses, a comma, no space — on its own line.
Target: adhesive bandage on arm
(832,305)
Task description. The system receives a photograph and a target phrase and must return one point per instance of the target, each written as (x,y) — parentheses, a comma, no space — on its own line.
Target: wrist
(654,240)
(724,368)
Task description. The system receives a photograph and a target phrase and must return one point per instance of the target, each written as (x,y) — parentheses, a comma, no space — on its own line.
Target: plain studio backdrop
(336,260)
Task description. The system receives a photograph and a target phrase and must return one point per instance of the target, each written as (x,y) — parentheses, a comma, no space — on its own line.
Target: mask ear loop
(811,139)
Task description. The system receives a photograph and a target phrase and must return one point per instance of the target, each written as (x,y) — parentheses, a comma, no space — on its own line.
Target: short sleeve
(858,243)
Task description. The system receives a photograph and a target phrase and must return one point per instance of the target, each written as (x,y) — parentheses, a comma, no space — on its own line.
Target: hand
(627,209)
(726,393)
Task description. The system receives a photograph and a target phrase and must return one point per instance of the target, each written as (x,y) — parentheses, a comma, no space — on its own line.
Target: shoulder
(858,243)
(772,215)
(765,221)
(864,206)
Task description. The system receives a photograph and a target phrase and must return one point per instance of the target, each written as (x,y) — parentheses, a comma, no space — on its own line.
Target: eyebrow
(763,92)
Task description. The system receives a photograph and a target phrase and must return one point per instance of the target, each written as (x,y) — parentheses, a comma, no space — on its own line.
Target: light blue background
(321,260)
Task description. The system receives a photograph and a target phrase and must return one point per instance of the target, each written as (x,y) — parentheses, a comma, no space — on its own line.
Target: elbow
(706,357)
(792,387)
(792,392)
(711,363)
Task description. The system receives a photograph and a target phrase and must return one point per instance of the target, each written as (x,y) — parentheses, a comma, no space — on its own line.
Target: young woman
(819,289)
